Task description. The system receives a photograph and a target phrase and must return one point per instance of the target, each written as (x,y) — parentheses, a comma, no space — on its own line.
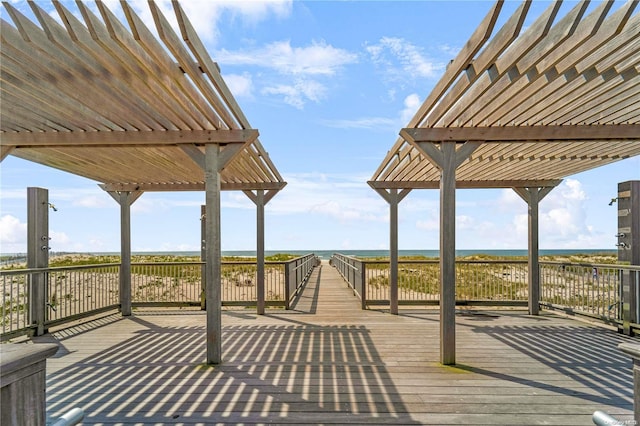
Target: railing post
(363,291)
(629,300)
(287,282)
(37,254)
(352,273)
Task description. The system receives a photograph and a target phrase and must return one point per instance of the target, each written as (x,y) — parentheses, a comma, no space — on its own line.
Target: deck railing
(297,273)
(594,290)
(352,270)
(74,292)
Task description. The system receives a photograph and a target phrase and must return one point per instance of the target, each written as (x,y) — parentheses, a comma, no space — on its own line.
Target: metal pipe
(71,418)
(600,418)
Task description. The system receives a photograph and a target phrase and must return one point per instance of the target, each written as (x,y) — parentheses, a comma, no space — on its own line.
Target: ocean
(326,254)
(9,258)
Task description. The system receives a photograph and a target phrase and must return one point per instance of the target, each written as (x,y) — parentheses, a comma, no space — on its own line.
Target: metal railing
(477,281)
(68,293)
(74,292)
(164,283)
(297,273)
(353,271)
(595,290)
(15,301)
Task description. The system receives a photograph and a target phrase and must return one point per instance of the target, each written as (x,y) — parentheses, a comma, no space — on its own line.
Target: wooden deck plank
(325,361)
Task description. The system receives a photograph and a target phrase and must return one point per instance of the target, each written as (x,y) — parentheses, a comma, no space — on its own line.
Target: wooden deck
(328,362)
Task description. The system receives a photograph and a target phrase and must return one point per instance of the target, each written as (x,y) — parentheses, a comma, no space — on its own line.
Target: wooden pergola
(522,108)
(110,101)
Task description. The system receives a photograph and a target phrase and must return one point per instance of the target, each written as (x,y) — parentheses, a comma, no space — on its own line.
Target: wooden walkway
(328,362)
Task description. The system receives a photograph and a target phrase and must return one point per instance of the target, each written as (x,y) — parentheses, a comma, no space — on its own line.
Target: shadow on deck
(328,362)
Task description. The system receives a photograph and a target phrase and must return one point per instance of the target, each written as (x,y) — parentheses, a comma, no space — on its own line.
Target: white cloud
(509,200)
(449,50)
(236,200)
(464,222)
(304,68)
(154,203)
(521,225)
(344,198)
(297,94)
(562,212)
(562,217)
(59,240)
(240,85)
(428,225)
(15,194)
(167,247)
(13,235)
(318,58)
(94,202)
(204,15)
(411,104)
(382,123)
(399,59)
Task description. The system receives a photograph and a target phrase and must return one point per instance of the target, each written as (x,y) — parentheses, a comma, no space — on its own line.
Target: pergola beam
(128,138)
(5,150)
(465,184)
(192,186)
(528,134)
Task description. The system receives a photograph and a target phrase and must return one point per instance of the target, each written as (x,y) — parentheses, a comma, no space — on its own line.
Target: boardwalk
(328,362)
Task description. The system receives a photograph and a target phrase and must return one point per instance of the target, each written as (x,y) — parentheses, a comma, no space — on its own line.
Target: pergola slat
(157,64)
(143,102)
(157,98)
(460,63)
(185,60)
(111,105)
(481,99)
(559,99)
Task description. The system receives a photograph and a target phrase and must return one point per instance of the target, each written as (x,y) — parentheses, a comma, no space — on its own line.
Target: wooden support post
(448,255)
(260,198)
(534,252)
(448,157)
(533,196)
(37,254)
(393,251)
(393,197)
(213,248)
(125,253)
(260,251)
(125,199)
(203,256)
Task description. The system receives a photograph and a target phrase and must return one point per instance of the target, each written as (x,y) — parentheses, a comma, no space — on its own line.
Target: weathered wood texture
(549,100)
(110,101)
(326,361)
(22,383)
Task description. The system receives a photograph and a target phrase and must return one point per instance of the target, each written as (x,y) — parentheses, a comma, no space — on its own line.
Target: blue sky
(329,84)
